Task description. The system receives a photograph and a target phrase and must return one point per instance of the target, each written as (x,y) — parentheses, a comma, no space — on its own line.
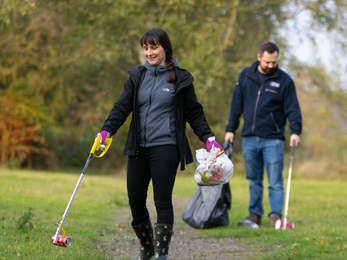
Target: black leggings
(160,164)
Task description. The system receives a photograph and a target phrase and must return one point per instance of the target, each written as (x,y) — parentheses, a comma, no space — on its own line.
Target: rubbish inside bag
(214,168)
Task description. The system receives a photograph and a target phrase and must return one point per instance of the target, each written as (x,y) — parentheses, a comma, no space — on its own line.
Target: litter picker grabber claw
(284,224)
(64,240)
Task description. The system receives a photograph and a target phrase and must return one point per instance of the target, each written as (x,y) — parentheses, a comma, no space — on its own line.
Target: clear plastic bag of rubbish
(214,168)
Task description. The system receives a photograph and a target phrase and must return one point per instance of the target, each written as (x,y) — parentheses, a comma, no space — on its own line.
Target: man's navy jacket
(265,107)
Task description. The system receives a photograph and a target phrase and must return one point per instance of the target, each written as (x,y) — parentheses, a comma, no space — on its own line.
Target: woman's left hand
(211,142)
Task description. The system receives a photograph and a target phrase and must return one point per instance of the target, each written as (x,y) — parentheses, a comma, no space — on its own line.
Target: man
(266,97)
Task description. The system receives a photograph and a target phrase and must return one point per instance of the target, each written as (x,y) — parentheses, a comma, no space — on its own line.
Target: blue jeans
(258,152)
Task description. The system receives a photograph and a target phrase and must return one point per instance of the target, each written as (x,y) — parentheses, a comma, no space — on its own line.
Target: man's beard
(268,70)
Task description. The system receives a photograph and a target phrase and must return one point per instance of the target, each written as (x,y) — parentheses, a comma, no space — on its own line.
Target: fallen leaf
(315,242)
(281,246)
(345,246)
(304,250)
(295,244)
(3,258)
(322,237)
(307,238)
(295,253)
(27,238)
(321,242)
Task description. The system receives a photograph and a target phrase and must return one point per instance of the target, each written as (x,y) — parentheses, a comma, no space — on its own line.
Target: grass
(317,207)
(48,194)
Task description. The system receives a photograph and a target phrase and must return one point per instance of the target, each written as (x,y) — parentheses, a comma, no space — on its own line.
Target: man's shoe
(273,218)
(250,220)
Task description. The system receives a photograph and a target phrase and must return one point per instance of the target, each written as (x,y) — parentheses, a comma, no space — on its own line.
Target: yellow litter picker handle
(96,144)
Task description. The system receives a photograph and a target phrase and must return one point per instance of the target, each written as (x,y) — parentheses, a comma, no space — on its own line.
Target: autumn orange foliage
(18,132)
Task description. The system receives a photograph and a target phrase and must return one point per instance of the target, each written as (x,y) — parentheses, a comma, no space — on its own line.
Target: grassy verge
(48,194)
(316,207)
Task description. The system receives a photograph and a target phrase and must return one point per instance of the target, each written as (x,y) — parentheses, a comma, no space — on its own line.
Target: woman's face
(155,54)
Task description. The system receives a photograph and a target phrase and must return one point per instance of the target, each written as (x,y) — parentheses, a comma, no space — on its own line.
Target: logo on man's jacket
(274,84)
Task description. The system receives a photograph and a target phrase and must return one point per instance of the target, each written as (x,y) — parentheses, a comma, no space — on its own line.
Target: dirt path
(185,243)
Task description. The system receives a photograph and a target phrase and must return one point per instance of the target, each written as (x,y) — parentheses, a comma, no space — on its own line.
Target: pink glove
(103,134)
(211,142)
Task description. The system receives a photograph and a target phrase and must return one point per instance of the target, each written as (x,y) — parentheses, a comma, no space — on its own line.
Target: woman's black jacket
(187,107)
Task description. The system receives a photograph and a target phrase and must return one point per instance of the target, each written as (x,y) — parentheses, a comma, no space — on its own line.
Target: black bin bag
(209,207)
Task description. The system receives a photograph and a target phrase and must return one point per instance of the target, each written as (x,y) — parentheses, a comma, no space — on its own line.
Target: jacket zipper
(134,109)
(273,91)
(180,136)
(179,88)
(273,118)
(256,103)
(150,104)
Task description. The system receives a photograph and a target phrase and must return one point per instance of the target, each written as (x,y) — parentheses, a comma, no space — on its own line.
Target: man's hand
(296,138)
(229,136)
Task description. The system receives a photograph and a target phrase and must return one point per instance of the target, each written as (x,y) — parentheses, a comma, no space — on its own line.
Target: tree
(72,57)
(18,130)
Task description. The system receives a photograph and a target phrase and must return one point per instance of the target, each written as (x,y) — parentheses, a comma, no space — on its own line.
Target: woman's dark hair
(156,36)
(268,46)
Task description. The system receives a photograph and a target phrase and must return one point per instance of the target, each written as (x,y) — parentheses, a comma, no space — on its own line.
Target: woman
(161,97)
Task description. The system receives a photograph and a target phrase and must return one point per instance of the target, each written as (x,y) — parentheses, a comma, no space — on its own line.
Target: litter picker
(284,224)
(64,240)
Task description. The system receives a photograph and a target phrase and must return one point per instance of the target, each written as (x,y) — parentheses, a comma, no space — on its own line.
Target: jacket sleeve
(292,109)
(121,109)
(195,115)
(236,108)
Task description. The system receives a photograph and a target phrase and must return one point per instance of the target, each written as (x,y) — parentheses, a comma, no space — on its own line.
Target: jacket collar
(251,73)
(183,79)
(135,71)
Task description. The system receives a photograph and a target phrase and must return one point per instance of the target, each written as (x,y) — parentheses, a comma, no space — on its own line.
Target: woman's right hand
(104,134)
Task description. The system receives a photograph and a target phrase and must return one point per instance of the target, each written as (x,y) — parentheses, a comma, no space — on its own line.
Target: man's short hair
(268,46)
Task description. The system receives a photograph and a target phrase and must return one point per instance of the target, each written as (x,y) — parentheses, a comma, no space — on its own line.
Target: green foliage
(322,150)
(71,59)
(11,8)
(24,221)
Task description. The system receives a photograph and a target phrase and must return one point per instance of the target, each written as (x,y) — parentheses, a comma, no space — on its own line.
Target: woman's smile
(155,54)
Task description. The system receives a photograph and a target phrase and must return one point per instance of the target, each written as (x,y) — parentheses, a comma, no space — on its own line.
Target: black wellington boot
(144,232)
(162,234)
